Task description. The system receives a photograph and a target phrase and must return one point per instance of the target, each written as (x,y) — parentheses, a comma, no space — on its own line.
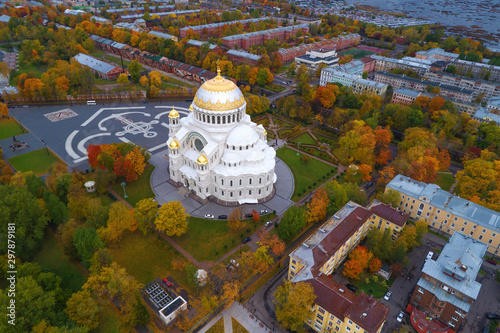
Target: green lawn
(129,87)
(118,61)
(274,87)
(284,133)
(37,161)
(304,174)
(148,257)
(324,139)
(357,53)
(371,287)
(97,53)
(237,327)
(9,127)
(179,82)
(37,71)
(138,189)
(52,258)
(304,138)
(445,180)
(218,327)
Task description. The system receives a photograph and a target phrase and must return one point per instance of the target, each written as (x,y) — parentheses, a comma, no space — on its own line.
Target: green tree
(120,219)
(292,222)
(83,309)
(87,242)
(172,219)
(134,69)
(58,211)
(98,214)
(25,217)
(293,304)
(122,79)
(389,197)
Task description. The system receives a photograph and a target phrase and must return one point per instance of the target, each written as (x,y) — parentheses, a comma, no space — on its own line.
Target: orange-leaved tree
(317,206)
(358,261)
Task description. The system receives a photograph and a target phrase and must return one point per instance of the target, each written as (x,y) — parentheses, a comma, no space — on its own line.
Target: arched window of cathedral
(218,119)
(231,183)
(240,193)
(267,177)
(259,191)
(250,181)
(231,194)
(240,147)
(222,181)
(234,116)
(223,119)
(247,147)
(240,183)
(260,180)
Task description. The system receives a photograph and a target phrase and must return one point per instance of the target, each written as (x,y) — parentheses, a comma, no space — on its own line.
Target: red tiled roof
(342,232)
(368,313)
(390,214)
(330,298)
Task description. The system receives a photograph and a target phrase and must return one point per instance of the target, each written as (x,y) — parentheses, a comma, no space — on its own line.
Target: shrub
(276,224)
(233,240)
(225,246)
(242,235)
(249,230)
(314,184)
(309,187)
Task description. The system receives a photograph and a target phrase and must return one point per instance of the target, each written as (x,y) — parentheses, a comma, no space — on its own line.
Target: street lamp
(298,147)
(124,193)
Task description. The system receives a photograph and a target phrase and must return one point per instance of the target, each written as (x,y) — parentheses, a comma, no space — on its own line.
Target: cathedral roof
(173,113)
(242,135)
(219,94)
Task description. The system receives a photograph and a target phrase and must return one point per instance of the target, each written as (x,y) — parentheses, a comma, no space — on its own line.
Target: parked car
(222,217)
(168,283)
(246,239)
(368,185)
(351,287)
(388,295)
(268,223)
(248,216)
(229,267)
(264,211)
(429,255)
(491,261)
(209,216)
(493,316)
(234,262)
(400,316)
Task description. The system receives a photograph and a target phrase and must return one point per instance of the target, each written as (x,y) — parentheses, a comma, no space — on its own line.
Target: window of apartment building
(319,322)
(420,290)
(292,274)
(400,203)
(455,318)
(451,323)
(413,201)
(448,231)
(446,221)
(433,224)
(321,310)
(411,208)
(406,205)
(438,211)
(349,321)
(403,196)
(474,226)
(421,206)
(330,323)
(292,267)
(465,222)
(448,215)
(490,241)
(293,261)
(357,327)
(455,218)
(317,327)
(408,199)
(339,321)
(337,328)
(480,237)
(387,223)
(418,296)
(452,225)
(471,233)
(462,229)
(493,235)
(435,217)
(427,214)
(484,230)
(348,328)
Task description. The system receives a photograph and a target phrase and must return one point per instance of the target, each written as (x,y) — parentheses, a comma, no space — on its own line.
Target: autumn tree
(317,206)
(120,220)
(235,220)
(144,213)
(293,304)
(276,245)
(4,110)
(231,293)
(382,153)
(255,216)
(374,265)
(365,172)
(359,143)
(122,79)
(83,309)
(155,78)
(134,69)
(172,219)
(359,260)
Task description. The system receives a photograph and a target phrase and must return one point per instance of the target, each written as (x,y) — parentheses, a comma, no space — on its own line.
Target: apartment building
(403,81)
(447,213)
(384,217)
(404,96)
(477,69)
(331,75)
(356,67)
(447,288)
(477,86)
(419,66)
(363,86)
(337,43)
(336,308)
(436,53)
(246,40)
(242,57)
(208,29)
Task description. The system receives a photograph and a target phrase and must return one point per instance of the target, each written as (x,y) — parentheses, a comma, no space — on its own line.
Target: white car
(264,211)
(268,223)
(388,295)
(234,262)
(429,255)
(209,216)
(400,316)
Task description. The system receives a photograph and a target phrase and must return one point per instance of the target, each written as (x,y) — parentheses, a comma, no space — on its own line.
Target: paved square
(60,115)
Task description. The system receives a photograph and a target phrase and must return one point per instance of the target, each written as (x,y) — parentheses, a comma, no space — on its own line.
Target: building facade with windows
(384,217)
(336,308)
(447,288)
(486,88)
(217,152)
(312,59)
(404,96)
(447,213)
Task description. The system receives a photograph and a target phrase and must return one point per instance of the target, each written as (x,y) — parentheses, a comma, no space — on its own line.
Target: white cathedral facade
(217,151)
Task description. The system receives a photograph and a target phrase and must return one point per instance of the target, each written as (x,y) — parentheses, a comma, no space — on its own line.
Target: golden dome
(173,113)
(265,132)
(202,160)
(219,94)
(174,144)
(191,107)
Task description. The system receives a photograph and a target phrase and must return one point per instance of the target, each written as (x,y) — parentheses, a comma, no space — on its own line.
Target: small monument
(201,276)
(90,186)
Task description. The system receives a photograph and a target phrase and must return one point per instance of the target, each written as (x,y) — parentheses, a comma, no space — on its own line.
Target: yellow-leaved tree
(145,212)
(120,219)
(172,219)
(293,304)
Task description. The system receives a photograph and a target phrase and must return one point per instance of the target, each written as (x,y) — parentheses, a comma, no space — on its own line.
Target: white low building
(312,59)
(217,152)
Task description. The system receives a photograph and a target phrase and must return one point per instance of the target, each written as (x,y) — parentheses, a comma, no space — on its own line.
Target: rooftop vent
(341,290)
(364,314)
(321,230)
(305,245)
(463,267)
(335,217)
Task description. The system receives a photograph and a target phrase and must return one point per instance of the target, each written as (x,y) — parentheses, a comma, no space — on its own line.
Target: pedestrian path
(244,317)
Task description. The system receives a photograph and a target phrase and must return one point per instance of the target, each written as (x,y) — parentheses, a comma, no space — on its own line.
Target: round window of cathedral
(198,144)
